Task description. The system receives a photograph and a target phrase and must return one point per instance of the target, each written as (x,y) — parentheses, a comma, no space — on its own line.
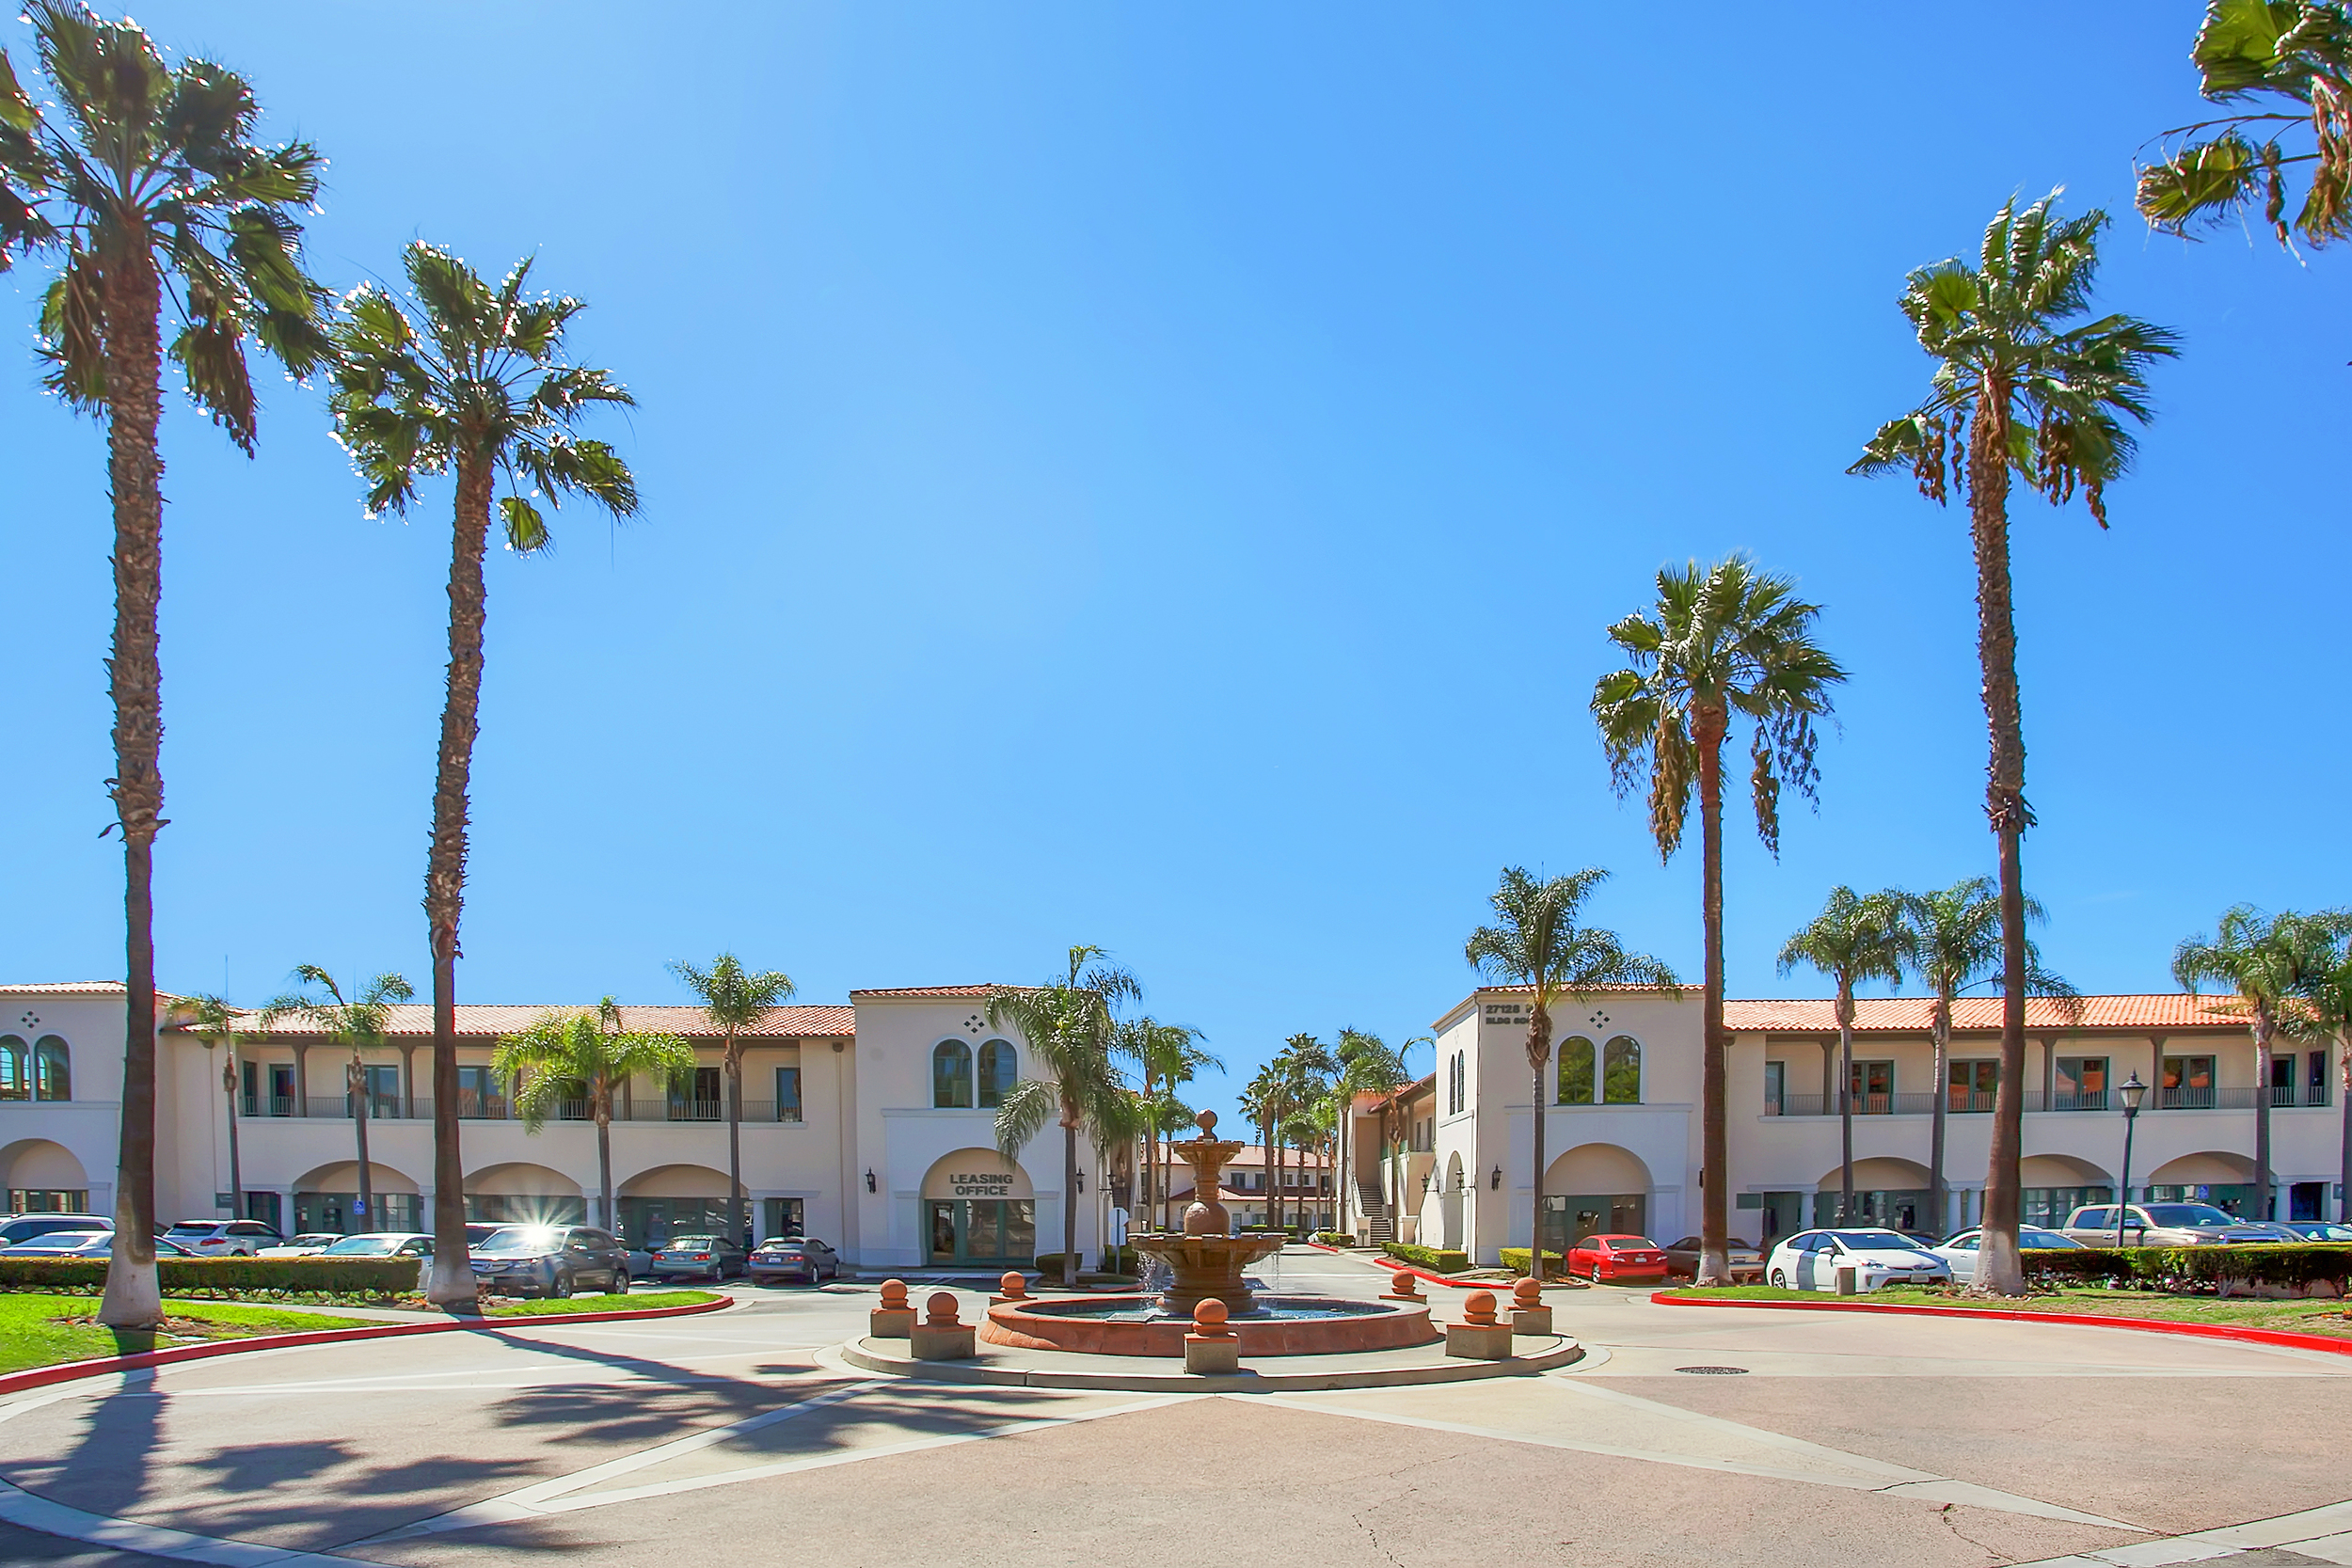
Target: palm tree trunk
(2262,1115)
(1069,1198)
(1999,1269)
(1714,1129)
(453,1283)
(131,299)
(356,1076)
(738,1217)
(1538,1058)
(1937,1200)
(2344,1144)
(604,1162)
(1845,1099)
(236,1169)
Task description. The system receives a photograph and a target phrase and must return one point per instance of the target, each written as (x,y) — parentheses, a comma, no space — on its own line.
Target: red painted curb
(2148,1325)
(1500,1286)
(68,1372)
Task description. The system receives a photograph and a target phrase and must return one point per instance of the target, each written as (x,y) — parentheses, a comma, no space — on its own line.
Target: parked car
(1960,1253)
(551,1260)
(800,1258)
(693,1257)
(380,1244)
(24,1227)
(2161,1225)
(2320,1231)
(2275,1231)
(478,1231)
(1683,1261)
(1809,1261)
(303,1245)
(1612,1258)
(224,1237)
(85,1244)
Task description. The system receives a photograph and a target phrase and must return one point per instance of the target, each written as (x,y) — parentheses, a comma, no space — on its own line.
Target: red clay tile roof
(479,1019)
(74,987)
(927,992)
(1983,1014)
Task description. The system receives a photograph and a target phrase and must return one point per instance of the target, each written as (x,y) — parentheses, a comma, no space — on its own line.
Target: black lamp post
(2134,1092)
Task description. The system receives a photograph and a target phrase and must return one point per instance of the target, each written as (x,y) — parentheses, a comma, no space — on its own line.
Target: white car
(224,1237)
(1960,1252)
(85,1244)
(1809,1261)
(379,1243)
(307,1244)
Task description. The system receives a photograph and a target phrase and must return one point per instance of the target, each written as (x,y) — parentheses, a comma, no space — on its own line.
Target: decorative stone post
(1404,1287)
(1529,1315)
(894,1318)
(939,1337)
(1011,1287)
(1211,1347)
(1478,1337)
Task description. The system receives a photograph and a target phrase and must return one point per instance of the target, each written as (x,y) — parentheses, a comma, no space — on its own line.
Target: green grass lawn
(2295,1317)
(43,1330)
(556,1308)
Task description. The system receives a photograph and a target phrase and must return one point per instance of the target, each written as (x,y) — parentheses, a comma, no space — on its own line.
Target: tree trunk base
(135,1296)
(450,1284)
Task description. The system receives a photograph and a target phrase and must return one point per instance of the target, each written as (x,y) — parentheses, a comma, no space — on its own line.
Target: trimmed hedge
(1435,1260)
(226,1277)
(2172,1268)
(1114,1261)
(1335,1238)
(1515,1258)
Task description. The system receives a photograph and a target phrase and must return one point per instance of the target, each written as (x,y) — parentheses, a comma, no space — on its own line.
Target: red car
(1601,1258)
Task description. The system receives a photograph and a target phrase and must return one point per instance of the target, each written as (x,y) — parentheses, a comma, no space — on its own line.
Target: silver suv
(224,1237)
(23,1228)
(2162,1224)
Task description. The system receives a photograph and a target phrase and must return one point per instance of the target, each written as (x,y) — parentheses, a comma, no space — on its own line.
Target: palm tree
(2268,964)
(1853,939)
(1067,1024)
(561,1054)
(1727,644)
(1368,1065)
(2296,56)
(1310,1128)
(1165,1054)
(146,177)
(482,388)
(734,999)
(356,1022)
(1303,1073)
(2324,1014)
(1539,945)
(211,1020)
(1951,942)
(1262,1102)
(2020,387)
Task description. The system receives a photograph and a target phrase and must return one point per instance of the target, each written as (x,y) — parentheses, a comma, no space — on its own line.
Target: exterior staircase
(1380,1226)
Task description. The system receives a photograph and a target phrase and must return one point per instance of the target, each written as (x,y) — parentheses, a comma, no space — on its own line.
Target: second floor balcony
(2186,1097)
(388,1107)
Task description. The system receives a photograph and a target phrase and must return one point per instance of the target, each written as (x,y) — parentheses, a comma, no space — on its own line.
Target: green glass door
(982,1232)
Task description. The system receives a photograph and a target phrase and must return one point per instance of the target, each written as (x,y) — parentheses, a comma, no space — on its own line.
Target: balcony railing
(472,1107)
(2180,1098)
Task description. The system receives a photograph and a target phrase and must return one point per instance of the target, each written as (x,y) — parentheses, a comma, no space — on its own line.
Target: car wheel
(563,1285)
(616,1283)
(1780,1279)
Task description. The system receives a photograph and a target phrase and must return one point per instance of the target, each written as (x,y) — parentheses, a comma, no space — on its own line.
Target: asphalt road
(1841,1440)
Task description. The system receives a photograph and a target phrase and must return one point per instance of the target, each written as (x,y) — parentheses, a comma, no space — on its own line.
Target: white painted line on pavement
(2320,1533)
(20,1507)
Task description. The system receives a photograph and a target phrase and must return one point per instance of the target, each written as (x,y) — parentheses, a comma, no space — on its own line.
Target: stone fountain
(1206,1257)
(1206,1260)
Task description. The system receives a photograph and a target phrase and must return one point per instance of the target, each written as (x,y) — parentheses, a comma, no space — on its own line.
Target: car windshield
(2321,1231)
(67,1238)
(2026,1236)
(522,1240)
(1874,1239)
(692,1243)
(363,1246)
(1633,1244)
(779,1246)
(2188,1216)
(314,1240)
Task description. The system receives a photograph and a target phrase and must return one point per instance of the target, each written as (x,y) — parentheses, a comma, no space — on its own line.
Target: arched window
(1000,1067)
(1576,1071)
(16,1067)
(53,1070)
(1621,1072)
(951,1076)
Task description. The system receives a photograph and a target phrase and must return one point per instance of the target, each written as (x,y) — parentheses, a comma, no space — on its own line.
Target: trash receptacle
(1849,1279)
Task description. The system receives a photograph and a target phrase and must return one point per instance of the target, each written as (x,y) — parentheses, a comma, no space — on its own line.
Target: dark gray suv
(550,1261)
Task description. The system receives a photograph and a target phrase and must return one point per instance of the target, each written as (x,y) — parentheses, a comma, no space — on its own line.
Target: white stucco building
(1622,1135)
(870,1126)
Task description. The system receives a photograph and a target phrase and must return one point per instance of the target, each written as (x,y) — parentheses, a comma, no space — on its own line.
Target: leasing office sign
(976,1173)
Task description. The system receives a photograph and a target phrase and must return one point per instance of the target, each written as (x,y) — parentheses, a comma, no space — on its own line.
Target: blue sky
(1157,477)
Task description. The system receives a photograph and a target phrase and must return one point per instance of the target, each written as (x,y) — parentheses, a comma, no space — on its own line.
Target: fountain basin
(1137,1326)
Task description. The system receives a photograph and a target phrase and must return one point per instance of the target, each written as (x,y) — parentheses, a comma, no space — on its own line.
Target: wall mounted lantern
(870,1179)
(1494,1181)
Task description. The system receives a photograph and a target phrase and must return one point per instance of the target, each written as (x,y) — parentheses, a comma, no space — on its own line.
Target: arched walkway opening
(2055,1185)
(978,1209)
(1887,1191)
(1595,1190)
(327,1200)
(42,1175)
(520,1192)
(1451,1230)
(2218,1176)
(656,1205)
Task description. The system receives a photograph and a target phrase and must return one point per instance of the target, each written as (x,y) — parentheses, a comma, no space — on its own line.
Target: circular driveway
(1842,1439)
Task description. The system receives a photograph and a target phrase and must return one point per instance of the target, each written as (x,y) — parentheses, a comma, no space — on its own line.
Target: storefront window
(784,1216)
(983,1230)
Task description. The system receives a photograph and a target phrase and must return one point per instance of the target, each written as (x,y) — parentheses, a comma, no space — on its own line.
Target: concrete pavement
(1840,1440)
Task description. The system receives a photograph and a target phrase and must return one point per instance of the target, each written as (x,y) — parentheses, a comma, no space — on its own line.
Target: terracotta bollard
(1478,1337)
(1404,1287)
(1211,1346)
(940,1337)
(1529,1315)
(894,1318)
(1011,1288)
